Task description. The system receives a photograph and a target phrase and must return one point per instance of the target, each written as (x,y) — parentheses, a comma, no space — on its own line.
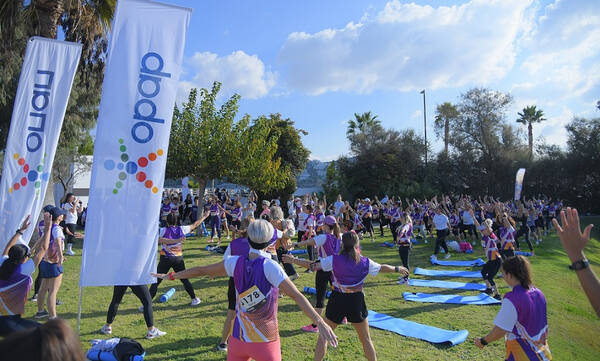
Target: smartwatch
(579,265)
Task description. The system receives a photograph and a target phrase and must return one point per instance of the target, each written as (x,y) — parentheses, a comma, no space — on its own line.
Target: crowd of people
(261,267)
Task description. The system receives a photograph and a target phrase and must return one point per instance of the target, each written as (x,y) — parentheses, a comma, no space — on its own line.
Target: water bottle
(164,298)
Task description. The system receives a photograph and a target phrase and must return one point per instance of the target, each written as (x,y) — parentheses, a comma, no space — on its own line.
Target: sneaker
(155,332)
(308,271)
(425,241)
(141,308)
(310,328)
(33,298)
(498,297)
(42,314)
(70,252)
(294,277)
(195,302)
(447,256)
(222,347)
(537,243)
(488,291)
(228,237)
(106,330)
(433,257)
(59,302)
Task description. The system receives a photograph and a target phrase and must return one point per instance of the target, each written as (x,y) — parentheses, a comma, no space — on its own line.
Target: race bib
(251,299)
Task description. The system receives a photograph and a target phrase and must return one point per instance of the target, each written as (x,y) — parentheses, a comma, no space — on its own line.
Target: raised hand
(26,223)
(570,233)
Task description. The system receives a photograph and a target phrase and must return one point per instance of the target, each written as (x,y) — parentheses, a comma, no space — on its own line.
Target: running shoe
(308,271)
(222,347)
(537,243)
(488,291)
(294,277)
(195,302)
(41,314)
(447,256)
(154,333)
(310,328)
(59,302)
(33,298)
(106,330)
(498,297)
(70,252)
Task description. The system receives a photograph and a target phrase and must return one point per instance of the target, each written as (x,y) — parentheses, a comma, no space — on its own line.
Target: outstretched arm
(495,334)
(574,242)
(199,221)
(216,269)
(18,234)
(40,248)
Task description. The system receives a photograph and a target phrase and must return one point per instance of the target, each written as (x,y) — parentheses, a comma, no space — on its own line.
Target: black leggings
(441,241)
(322,278)
(383,222)
(141,292)
(403,251)
(393,228)
(70,238)
(368,222)
(287,267)
(490,269)
(164,265)
(523,231)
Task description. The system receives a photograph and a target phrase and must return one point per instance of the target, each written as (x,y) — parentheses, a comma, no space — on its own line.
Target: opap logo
(30,175)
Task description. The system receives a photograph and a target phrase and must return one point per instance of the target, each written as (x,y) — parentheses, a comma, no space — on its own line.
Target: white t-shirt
(467,219)
(301,218)
(327,265)
(507,316)
(185,229)
(27,268)
(320,240)
(338,205)
(57,233)
(273,271)
(71,218)
(440,221)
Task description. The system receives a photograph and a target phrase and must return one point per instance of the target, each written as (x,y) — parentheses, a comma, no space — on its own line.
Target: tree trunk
(530,141)
(48,14)
(446,135)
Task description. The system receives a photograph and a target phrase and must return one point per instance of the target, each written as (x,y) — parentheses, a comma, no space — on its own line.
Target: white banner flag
(40,104)
(130,153)
(519,183)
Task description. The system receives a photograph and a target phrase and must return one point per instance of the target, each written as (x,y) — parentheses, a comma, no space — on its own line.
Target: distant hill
(312,177)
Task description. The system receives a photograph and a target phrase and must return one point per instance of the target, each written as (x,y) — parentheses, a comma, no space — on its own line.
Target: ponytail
(336,230)
(349,242)
(16,255)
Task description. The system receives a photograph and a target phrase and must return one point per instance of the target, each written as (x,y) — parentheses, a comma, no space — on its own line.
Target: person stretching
(257,280)
(405,234)
(492,266)
(349,271)
(442,224)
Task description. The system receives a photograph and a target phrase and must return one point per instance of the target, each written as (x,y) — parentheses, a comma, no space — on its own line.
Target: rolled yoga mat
(447,284)
(469,263)
(416,330)
(521,253)
(298,251)
(447,273)
(313,291)
(481,299)
(387,244)
(164,298)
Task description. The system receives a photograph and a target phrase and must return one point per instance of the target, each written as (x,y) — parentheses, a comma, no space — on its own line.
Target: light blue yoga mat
(416,330)
(447,273)
(481,299)
(470,263)
(447,284)
(521,253)
(298,251)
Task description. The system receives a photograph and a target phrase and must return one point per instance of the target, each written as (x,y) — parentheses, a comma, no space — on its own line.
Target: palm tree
(529,116)
(361,123)
(444,114)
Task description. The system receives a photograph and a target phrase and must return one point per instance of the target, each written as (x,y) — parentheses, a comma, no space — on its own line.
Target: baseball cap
(56,212)
(330,220)
(47,208)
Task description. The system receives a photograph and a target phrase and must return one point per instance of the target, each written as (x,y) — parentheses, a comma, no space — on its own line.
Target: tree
(67,166)
(361,123)
(445,114)
(207,143)
(331,187)
(529,116)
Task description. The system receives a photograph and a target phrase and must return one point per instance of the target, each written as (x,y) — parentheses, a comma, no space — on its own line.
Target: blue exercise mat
(387,244)
(298,251)
(447,273)
(470,263)
(481,299)
(447,284)
(521,253)
(416,330)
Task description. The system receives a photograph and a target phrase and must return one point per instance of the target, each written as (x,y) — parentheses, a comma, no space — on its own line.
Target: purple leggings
(215,223)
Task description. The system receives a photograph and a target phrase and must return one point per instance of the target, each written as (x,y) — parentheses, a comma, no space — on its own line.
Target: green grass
(193,332)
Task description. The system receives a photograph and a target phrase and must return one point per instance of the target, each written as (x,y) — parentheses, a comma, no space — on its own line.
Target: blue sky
(319,62)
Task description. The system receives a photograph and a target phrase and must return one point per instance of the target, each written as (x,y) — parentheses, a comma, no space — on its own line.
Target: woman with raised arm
(16,267)
(492,266)
(258,280)
(349,271)
(522,317)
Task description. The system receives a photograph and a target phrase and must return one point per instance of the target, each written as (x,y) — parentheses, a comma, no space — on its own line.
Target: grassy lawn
(193,332)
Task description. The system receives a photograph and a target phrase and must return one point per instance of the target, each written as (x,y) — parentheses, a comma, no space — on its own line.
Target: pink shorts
(260,351)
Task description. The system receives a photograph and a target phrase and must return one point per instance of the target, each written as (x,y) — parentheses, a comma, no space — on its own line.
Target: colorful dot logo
(29,175)
(128,167)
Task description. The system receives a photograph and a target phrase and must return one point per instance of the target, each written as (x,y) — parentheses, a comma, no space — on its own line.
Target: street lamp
(425,125)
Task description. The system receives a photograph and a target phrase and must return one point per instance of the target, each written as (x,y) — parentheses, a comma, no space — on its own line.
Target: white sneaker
(195,302)
(155,332)
(70,252)
(447,256)
(106,330)
(141,308)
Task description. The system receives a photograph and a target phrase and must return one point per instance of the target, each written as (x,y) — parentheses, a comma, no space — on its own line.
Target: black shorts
(231,295)
(70,237)
(349,305)
(236,224)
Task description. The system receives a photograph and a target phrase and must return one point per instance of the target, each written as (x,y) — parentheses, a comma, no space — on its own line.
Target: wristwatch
(579,265)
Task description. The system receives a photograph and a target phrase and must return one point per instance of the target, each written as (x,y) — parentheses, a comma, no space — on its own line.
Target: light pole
(425,124)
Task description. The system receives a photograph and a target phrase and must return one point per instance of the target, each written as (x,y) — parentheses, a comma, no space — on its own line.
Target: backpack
(127,349)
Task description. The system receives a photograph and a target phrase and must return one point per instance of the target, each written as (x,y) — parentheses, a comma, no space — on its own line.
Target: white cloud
(417,114)
(238,72)
(410,47)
